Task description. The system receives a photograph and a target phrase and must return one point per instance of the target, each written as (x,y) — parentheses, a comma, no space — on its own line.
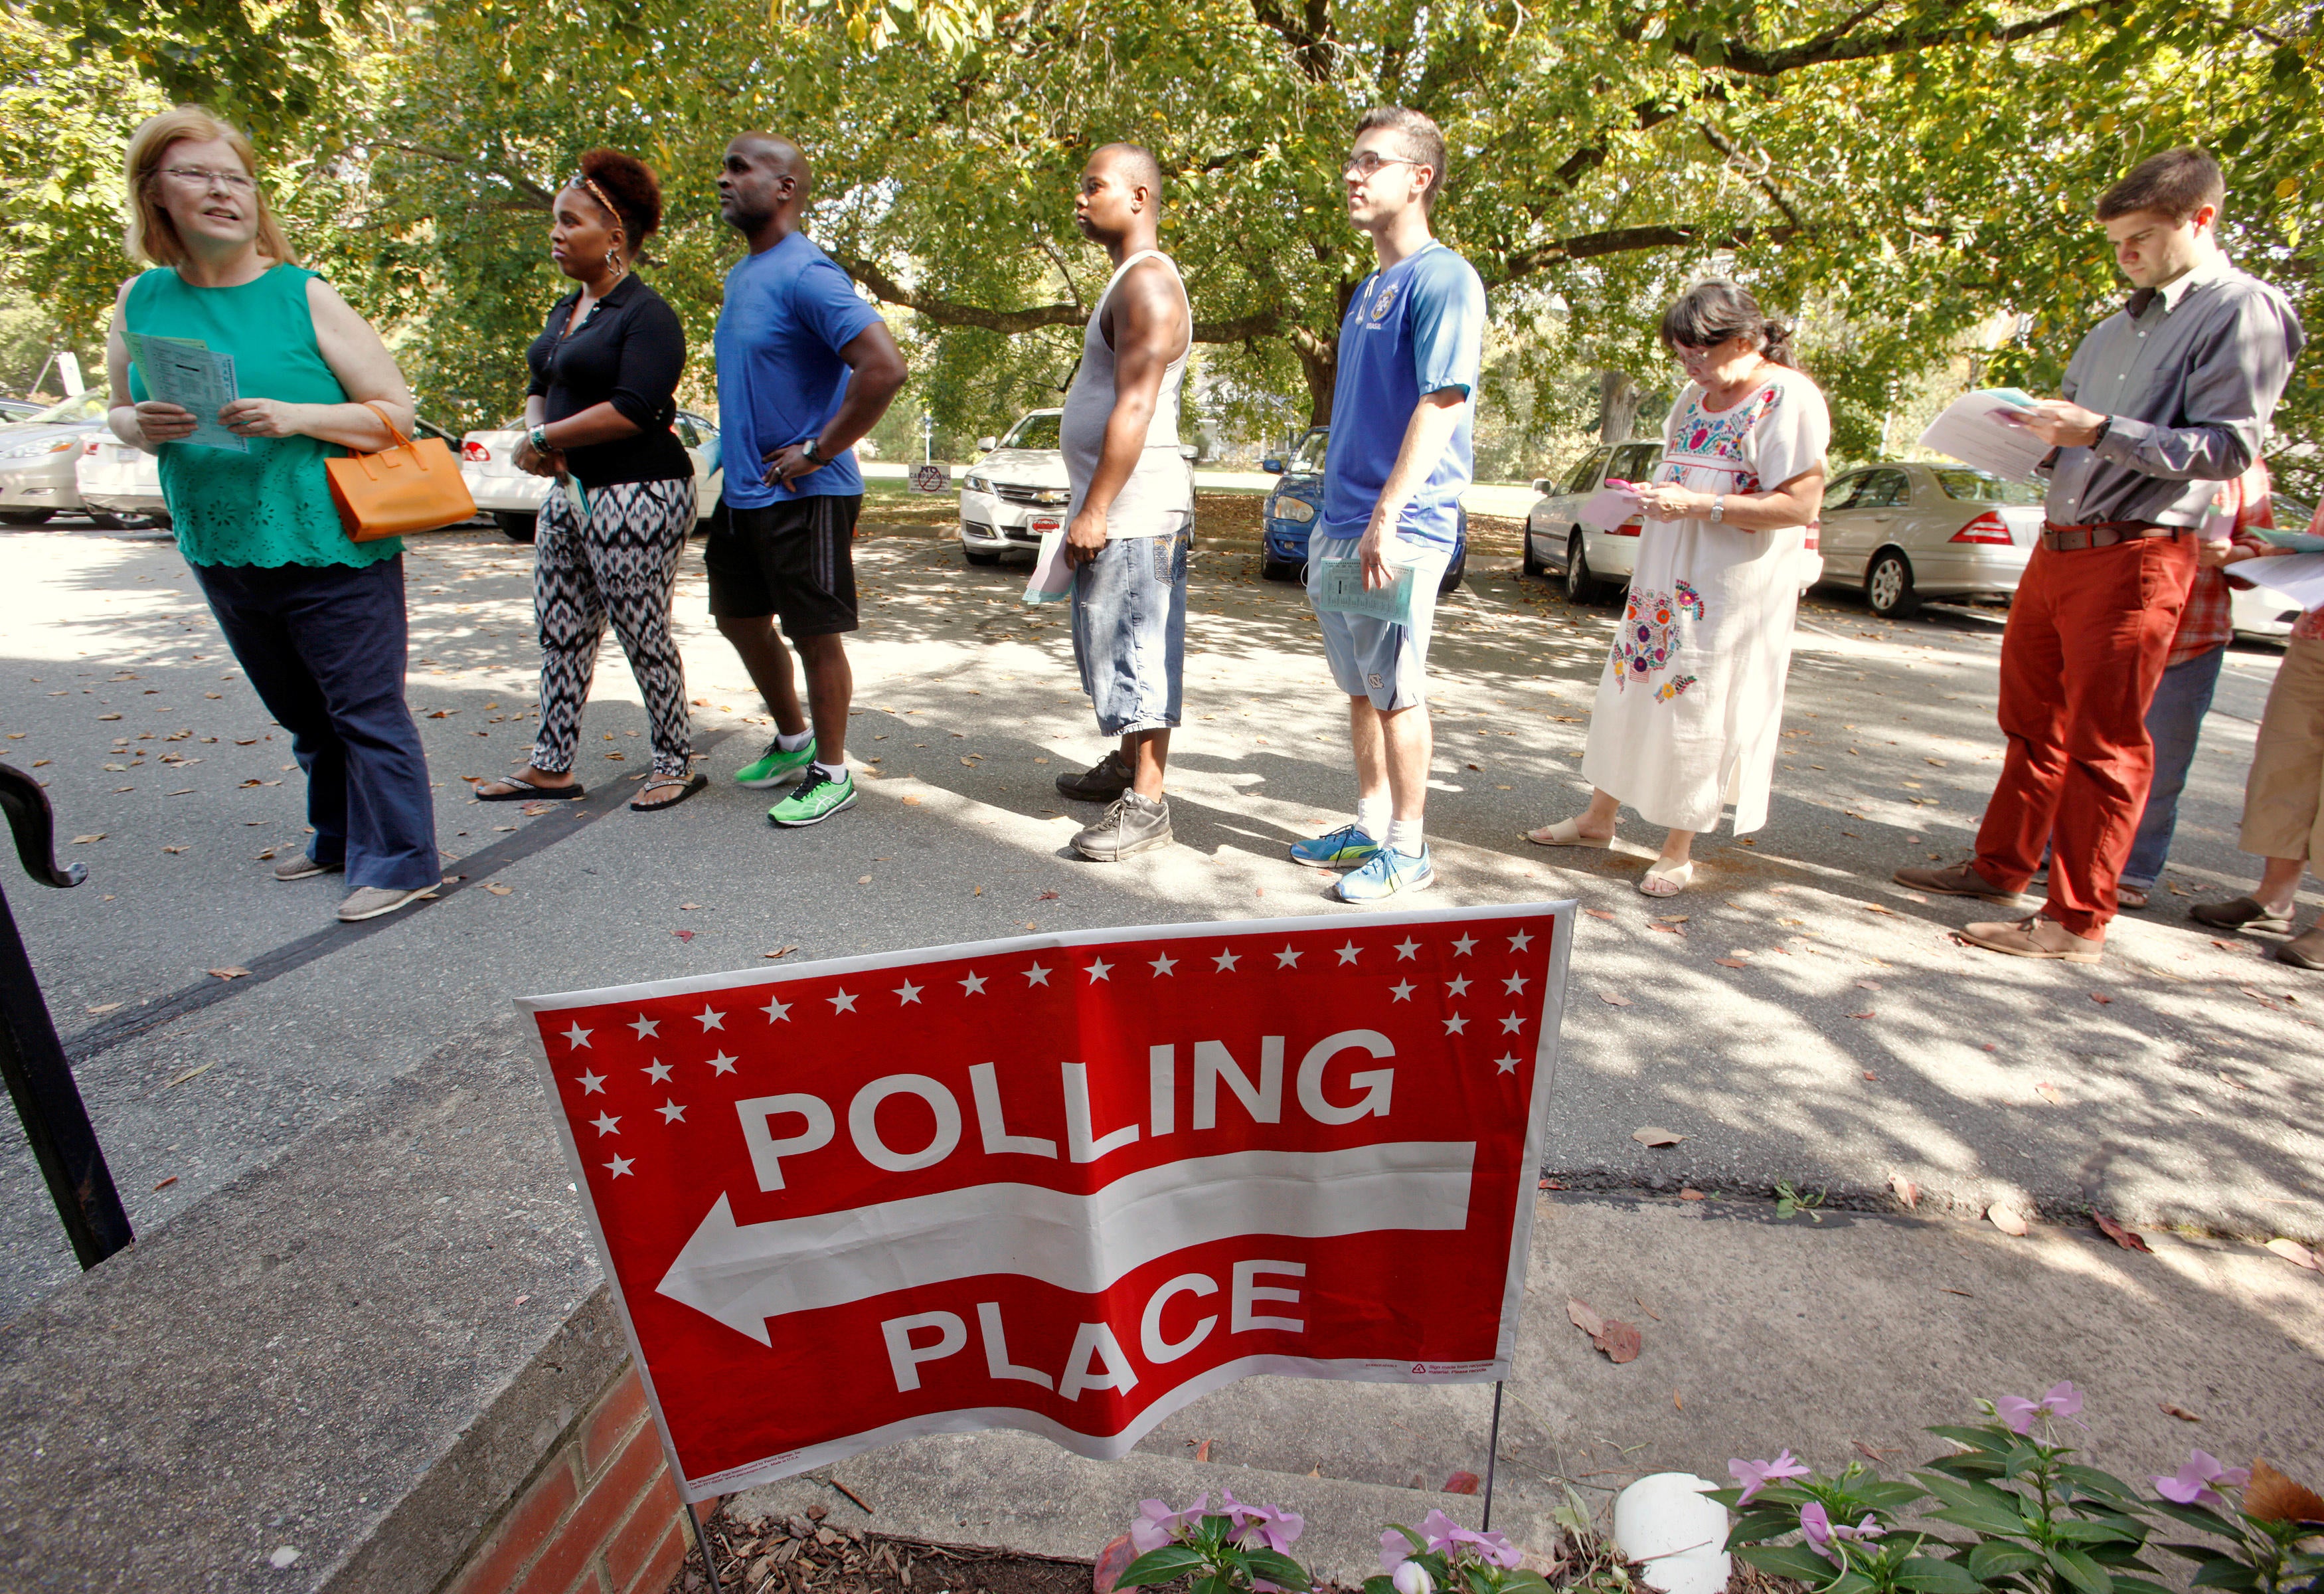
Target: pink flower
(1447,1536)
(2192,1484)
(1271,1526)
(2018,1412)
(1820,1532)
(1754,1475)
(1158,1525)
(1395,1550)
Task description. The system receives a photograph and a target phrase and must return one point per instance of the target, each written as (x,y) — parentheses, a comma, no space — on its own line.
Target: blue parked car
(1290,515)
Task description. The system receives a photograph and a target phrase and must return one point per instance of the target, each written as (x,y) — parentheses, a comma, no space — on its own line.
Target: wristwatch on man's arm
(813,449)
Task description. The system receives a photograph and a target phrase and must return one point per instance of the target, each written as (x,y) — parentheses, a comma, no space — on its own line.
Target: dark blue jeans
(323,646)
(2173,721)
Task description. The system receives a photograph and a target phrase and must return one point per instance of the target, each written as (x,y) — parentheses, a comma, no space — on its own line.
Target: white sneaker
(369,902)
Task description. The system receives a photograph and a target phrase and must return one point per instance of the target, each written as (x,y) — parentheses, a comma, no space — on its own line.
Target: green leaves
(1165,1565)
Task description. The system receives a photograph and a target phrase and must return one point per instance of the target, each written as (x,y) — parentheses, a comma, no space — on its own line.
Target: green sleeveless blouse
(271,506)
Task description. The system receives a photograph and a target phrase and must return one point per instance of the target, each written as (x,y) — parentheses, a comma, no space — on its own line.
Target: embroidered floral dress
(1692,700)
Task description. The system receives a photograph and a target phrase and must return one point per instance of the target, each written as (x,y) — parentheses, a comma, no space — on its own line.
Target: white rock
(1663,1522)
(284,1555)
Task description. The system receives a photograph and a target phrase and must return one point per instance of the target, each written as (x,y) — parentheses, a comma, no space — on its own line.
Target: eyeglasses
(234,182)
(1368,163)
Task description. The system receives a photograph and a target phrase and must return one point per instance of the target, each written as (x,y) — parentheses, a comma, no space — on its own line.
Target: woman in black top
(598,419)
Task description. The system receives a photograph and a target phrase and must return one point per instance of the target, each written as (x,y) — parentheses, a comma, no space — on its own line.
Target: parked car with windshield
(513,498)
(37,455)
(1900,531)
(1017,480)
(1595,561)
(125,482)
(1288,517)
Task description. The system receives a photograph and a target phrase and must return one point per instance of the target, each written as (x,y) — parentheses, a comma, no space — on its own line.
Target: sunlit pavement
(1796,1018)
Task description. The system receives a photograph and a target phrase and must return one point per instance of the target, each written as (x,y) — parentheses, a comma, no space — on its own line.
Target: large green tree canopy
(1901,172)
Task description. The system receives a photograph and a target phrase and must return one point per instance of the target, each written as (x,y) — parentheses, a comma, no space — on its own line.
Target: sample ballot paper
(196,378)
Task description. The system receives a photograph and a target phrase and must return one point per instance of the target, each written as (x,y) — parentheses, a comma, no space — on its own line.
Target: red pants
(2087,635)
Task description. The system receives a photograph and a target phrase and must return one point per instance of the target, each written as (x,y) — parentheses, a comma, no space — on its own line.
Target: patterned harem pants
(621,566)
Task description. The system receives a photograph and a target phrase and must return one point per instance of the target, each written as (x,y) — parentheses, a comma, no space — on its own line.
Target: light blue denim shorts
(1129,631)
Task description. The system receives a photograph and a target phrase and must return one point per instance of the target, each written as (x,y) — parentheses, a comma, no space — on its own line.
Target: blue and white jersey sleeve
(1447,323)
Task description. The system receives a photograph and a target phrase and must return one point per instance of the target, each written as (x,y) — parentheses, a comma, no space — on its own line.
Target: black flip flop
(526,792)
(692,786)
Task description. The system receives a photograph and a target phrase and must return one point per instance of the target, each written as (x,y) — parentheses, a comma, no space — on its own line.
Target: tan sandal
(1565,833)
(1666,879)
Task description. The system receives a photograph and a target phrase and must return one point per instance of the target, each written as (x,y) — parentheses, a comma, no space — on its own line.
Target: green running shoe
(818,797)
(774,767)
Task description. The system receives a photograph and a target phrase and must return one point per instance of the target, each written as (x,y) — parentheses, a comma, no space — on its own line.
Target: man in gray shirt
(2163,400)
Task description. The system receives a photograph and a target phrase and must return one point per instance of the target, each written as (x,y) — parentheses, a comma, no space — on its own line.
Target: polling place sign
(1063,1183)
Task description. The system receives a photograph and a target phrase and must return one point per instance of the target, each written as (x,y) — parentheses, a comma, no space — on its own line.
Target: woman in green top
(316,621)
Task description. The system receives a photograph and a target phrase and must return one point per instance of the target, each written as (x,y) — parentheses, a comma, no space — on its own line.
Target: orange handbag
(409,487)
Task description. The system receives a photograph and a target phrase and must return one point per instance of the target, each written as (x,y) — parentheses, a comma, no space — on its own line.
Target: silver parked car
(1019,480)
(38,456)
(513,498)
(1596,562)
(1904,532)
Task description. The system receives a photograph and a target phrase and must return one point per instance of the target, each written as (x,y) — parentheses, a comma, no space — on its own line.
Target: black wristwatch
(815,455)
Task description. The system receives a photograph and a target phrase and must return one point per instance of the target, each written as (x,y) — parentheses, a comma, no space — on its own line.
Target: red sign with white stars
(1063,1183)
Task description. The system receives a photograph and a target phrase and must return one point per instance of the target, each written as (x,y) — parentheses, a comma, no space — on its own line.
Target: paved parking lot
(1794,1017)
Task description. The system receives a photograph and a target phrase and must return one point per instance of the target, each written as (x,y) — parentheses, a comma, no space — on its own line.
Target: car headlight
(1296,510)
(34,449)
(1053,495)
(975,483)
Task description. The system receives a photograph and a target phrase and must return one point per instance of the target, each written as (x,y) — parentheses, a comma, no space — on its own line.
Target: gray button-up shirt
(2189,374)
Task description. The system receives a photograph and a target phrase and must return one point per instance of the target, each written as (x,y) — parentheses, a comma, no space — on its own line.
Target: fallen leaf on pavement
(263,857)
(1869,985)
(688,907)
(1731,963)
(1690,1194)
(2007,1220)
(1879,908)
(780,951)
(1047,896)
(2181,1413)
(1621,1341)
(1651,1135)
(2272,1497)
(1462,1483)
(1906,1191)
(2128,1239)
(104,1008)
(166,1183)
(1868,1453)
(864,879)
(1202,1450)
(2231,1080)
(683,935)
(1611,1000)
(230,973)
(1598,913)
(1870,1075)
(2049,1092)
(1867,1013)
(1677,930)
(85,840)
(2100,998)
(200,1068)
(1673,918)
(497,889)
(176,849)
(1584,1317)
(2298,1255)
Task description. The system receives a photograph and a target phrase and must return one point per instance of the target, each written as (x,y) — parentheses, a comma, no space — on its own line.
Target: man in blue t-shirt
(1399,456)
(805,367)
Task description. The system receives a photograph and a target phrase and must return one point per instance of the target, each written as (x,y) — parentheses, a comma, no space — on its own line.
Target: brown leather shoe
(2036,938)
(2240,913)
(1957,880)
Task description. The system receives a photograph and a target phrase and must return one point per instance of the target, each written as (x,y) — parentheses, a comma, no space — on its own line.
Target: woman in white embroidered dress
(1689,708)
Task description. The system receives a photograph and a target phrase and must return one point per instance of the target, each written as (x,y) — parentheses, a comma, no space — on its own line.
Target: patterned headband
(584,180)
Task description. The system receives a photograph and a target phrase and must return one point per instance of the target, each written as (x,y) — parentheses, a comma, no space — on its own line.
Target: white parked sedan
(1019,481)
(1903,531)
(512,496)
(1595,560)
(37,455)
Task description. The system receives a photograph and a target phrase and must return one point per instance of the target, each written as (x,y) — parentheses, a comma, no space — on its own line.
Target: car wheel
(25,517)
(516,528)
(1452,574)
(118,521)
(1533,565)
(973,557)
(1581,586)
(1888,587)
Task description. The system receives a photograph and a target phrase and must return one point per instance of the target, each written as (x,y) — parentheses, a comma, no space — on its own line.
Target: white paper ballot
(2299,576)
(196,378)
(1972,430)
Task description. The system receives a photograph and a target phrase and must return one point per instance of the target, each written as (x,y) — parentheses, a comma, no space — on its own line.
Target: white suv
(1016,491)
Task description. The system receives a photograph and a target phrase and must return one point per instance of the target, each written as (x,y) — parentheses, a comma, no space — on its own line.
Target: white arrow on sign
(742,1274)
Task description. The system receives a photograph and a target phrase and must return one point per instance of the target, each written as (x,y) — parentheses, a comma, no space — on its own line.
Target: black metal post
(40,1080)
(1492,1458)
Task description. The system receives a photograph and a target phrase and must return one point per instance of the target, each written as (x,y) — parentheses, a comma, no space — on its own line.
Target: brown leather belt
(2104,534)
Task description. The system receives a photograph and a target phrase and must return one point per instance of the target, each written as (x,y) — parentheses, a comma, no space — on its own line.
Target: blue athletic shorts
(1378,659)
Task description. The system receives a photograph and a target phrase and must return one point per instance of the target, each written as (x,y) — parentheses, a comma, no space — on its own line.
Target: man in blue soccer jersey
(1398,458)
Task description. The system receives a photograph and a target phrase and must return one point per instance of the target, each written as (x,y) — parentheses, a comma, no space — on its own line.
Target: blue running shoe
(1387,873)
(1342,849)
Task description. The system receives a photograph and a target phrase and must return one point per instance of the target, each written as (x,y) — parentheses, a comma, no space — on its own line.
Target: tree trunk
(1320,364)
(1618,398)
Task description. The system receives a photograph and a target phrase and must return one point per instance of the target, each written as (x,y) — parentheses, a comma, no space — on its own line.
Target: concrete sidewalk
(1834,1338)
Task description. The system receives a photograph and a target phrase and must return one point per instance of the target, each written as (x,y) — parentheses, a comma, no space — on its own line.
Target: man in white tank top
(1131,517)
